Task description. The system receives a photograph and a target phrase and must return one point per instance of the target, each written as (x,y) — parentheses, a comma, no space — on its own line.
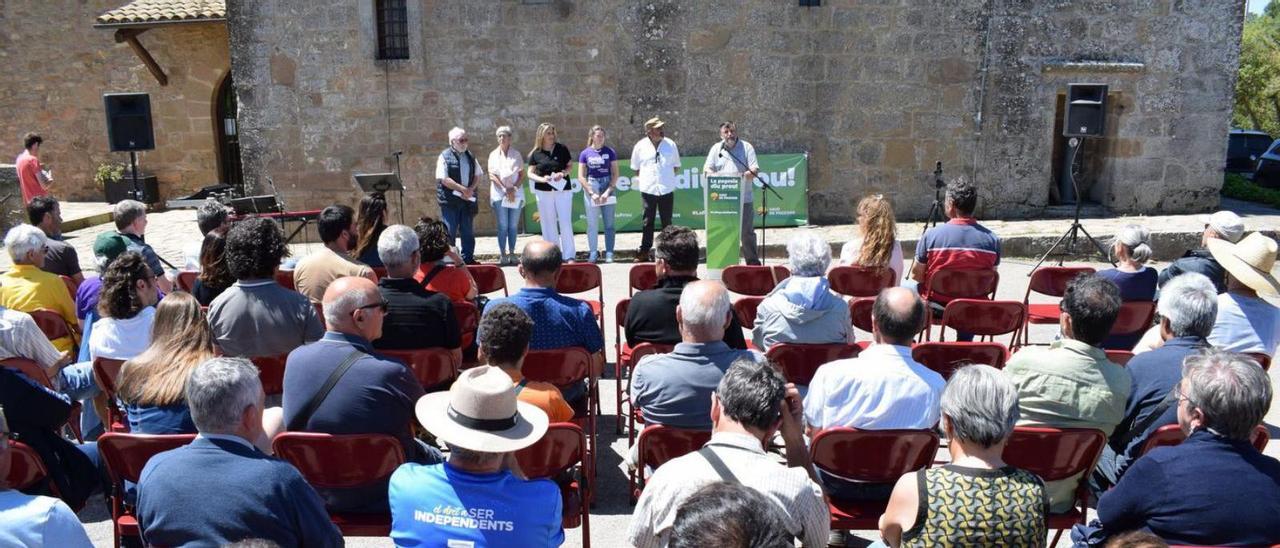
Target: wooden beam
(131,37)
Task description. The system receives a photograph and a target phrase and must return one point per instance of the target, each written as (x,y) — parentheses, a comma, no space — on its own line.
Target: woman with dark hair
(126,307)
(371,220)
(214,276)
(729,515)
(434,273)
(151,384)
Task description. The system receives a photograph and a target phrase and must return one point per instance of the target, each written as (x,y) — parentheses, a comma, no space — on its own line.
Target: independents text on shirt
(465,518)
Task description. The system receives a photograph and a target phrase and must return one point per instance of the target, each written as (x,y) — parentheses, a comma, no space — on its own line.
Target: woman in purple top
(1131,249)
(598,175)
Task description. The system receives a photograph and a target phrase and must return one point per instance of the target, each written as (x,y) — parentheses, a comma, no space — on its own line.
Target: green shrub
(1236,186)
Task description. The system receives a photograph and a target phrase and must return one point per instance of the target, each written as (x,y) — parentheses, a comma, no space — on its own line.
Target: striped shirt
(961,244)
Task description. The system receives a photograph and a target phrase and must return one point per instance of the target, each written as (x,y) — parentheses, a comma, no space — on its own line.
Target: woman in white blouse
(876,243)
(506,172)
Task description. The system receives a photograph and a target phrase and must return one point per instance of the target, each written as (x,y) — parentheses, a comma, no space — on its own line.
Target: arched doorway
(227,130)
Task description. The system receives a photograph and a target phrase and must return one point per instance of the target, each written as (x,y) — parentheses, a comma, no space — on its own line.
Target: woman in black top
(214,276)
(549,170)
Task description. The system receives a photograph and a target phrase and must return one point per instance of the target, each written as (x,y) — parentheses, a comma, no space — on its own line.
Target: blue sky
(1255,6)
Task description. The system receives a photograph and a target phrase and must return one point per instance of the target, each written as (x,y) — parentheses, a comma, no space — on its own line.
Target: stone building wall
(59,65)
(875,91)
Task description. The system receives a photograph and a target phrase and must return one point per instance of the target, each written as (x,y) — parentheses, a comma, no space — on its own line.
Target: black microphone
(397,153)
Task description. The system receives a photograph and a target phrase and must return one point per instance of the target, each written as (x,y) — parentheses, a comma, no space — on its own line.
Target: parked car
(1244,147)
(1267,174)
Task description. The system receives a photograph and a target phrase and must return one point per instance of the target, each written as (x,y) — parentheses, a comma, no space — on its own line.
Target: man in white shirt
(458,178)
(733,157)
(881,389)
(1246,322)
(29,520)
(656,160)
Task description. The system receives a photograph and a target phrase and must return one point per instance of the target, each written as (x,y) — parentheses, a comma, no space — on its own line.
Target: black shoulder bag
(300,420)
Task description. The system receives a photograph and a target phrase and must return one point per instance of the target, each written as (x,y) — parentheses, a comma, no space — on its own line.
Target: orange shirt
(544,396)
(451,281)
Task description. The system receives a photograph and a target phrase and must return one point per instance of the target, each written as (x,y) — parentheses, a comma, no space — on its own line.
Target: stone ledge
(1093,66)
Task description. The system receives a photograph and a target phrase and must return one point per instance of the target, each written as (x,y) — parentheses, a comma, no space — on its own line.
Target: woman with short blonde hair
(506,194)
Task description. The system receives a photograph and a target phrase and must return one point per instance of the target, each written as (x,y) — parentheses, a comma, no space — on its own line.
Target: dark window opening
(393,29)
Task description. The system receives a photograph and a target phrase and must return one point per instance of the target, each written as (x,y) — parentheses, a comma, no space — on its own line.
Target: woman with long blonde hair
(151,384)
(876,243)
(549,170)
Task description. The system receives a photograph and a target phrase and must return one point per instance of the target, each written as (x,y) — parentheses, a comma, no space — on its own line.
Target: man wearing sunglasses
(366,393)
(458,175)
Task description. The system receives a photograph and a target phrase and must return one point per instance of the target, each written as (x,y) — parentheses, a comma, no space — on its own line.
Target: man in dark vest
(458,175)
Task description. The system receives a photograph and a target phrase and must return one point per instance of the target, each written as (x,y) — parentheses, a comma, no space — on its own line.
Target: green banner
(787,173)
(723,221)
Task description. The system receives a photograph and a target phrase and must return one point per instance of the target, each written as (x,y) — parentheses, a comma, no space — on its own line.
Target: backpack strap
(300,420)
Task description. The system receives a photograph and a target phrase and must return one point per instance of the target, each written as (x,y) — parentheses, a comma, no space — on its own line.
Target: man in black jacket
(651,317)
(416,317)
(36,414)
(1223,225)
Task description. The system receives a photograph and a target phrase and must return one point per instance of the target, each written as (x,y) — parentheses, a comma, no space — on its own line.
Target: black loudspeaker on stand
(129,128)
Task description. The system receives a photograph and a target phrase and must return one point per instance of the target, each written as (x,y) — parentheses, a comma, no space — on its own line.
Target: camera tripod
(935,213)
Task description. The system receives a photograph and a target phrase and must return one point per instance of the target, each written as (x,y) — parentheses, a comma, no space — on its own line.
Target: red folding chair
(285,278)
(554,457)
(106,371)
(33,371)
(125,456)
(1057,454)
(433,367)
(799,362)
(564,367)
(946,357)
(581,278)
(320,313)
(659,444)
(642,276)
(52,324)
(379,271)
(347,461)
(489,278)
(633,413)
(753,280)
(860,281)
(72,285)
(745,308)
(983,318)
(271,372)
(621,355)
(1119,357)
(873,456)
(860,312)
(468,317)
(1134,318)
(187,280)
(1263,359)
(1171,435)
(25,467)
(961,284)
(1049,281)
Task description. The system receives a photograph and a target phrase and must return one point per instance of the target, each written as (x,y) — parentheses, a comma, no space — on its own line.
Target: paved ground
(169,230)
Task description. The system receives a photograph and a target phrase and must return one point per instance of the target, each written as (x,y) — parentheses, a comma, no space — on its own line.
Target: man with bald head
(675,389)
(881,389)
(558,321)
(370,394)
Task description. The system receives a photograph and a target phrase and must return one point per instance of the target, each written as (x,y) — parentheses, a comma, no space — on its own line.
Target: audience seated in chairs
(483,424)
(150,384)
(416,316)
(20,337)
(802,308)
(675,389)
(215,275)
(220,489)
(1071,384)
(558,321)
(1187,311)
(1222,225)
(105,250)
(960,244)
(505,331)
(371,220)
(881,389)
(60,258)
(1131,248)
(751,403)
(257,316)
(36,416)
(876,241)
(1214,489)
(372,394)
(1246,322)
(434,273)
(210,216)
(314,272)
(32,520)
(729,515)
(977,499)
(651,316)
(28,288)
(126,309)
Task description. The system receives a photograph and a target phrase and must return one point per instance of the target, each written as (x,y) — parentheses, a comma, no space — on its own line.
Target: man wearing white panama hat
(1246,322)
(477,497)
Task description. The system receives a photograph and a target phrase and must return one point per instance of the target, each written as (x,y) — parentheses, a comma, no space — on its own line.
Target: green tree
(1258,83)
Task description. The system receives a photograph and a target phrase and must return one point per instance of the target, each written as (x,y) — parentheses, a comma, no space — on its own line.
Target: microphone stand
(397,154)
(764,197)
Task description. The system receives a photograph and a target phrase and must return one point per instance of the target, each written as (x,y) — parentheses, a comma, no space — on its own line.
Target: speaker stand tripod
(1072,235)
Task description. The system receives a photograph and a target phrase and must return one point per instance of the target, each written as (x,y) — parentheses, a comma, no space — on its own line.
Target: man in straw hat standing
(1246,322)
(477,497)
(656,160)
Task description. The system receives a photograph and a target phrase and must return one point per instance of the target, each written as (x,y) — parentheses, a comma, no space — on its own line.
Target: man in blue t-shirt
(474,499)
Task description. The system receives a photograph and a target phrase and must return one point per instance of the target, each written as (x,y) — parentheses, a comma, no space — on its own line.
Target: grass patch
(1236,186)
